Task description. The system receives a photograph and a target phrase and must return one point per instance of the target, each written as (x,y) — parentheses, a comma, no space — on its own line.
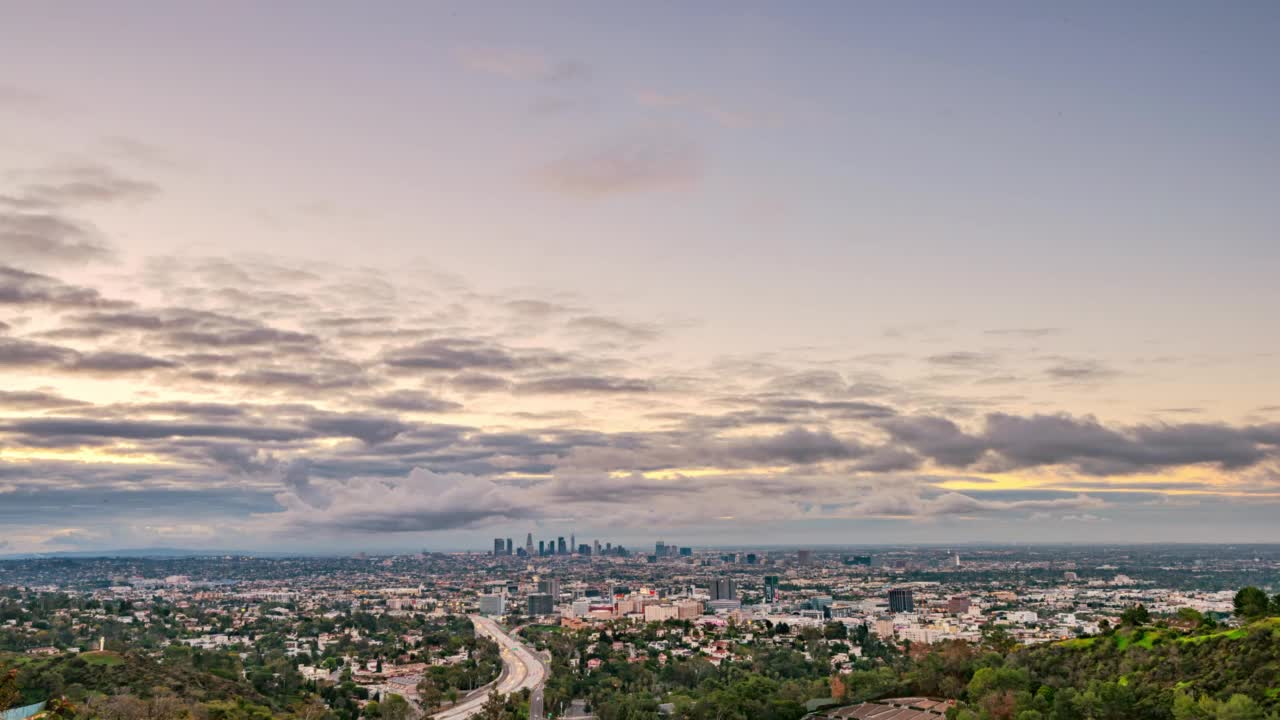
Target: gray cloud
(22,287)
(584,384)
(607,326)
(1070,370)
(963,359)
(36,400)
(414,401)
(111,362)
(1011,441)
(479,382)
(367,428)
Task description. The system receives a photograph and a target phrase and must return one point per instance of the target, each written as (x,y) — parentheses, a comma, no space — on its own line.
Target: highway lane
(521,669)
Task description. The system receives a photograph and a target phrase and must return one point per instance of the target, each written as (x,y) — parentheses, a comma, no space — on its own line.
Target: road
(521,668)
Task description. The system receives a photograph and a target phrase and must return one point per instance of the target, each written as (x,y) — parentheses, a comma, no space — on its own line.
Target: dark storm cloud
(797,445)
(1011,442)
(367,428)
(584,384)
(937,438)
(888,459)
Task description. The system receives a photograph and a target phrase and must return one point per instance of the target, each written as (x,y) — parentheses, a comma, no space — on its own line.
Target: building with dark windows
(541,604)
(771,589)
(499,547)
(724,589)
(900,600)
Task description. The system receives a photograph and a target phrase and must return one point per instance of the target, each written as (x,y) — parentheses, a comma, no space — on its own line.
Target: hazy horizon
(316,275)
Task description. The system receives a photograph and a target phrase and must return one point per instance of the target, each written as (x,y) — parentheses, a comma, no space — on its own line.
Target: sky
(339,277)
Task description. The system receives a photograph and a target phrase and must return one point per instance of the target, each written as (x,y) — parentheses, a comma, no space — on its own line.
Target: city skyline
(309,279)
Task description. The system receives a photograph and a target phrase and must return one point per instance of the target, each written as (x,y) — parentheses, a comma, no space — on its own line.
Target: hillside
(1143,672)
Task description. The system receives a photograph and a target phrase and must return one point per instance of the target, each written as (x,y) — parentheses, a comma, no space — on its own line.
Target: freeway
(521,668)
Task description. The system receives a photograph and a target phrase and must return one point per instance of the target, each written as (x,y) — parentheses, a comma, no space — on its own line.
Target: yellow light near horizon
(117,456)
(1197,481)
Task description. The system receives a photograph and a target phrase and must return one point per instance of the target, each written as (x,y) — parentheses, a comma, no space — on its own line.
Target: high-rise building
(771,589)
(660,548)
(900,600)
(573,541)
(959,605)
(507,549)
(528,543)
(597,546)
(542,548)
(550,586)
(499,547)
(560,546)
(495,604)
(724,589)
(752,559)
(804,557)
(686,552)
(541,604)
(584,549)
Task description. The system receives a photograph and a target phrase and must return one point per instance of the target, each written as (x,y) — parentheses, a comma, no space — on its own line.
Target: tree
(9,692)
(395,707)
(1251,603)
(494,707)
(429,695)
(1136,615)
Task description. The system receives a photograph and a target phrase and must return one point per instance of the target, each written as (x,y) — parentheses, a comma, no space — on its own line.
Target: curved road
(521,668)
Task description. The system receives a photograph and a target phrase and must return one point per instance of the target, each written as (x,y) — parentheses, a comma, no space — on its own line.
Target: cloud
(22,287)
(422,501)
(1029,333)
(602,325)
(367,428)
(1069,370)
(19,353)
(473,382)
(36,400)
(42,237)
(37,224)
(1010,442)
(962,359)
(584,384)
(798,445)
(636,163)
(467,354)
(414,401)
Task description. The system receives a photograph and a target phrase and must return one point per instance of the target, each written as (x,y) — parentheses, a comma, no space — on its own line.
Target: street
(521,669)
